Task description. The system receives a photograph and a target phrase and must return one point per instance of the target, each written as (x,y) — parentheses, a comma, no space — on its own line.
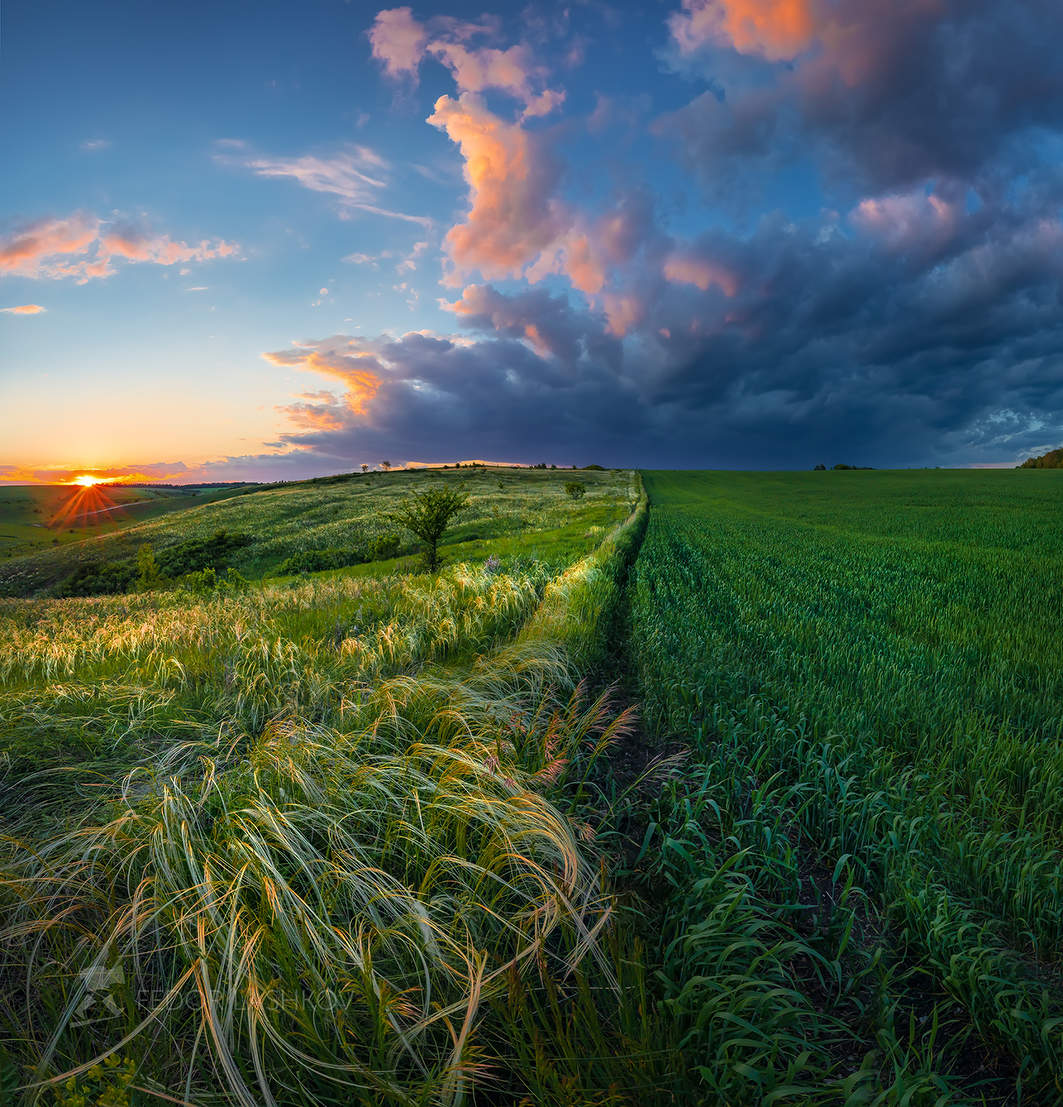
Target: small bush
(384,546)
(150,569)
(147,569)
(201,581)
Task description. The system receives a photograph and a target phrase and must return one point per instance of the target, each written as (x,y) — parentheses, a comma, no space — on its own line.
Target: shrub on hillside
(150,569)
(317,561)
(384,546)
(102,579)
(380,548)
(200,553)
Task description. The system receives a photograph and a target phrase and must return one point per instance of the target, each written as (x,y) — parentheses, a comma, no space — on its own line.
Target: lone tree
(576,490)
(427,515)
(385,465)
(365,467)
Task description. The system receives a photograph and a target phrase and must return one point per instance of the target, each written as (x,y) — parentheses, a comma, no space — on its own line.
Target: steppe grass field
(310,838)
(747,794)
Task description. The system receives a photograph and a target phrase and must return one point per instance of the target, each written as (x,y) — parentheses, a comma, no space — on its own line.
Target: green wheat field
(690,788)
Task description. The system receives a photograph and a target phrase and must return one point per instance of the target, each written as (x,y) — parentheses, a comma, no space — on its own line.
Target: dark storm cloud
(437,396)
(827,341)
(887,92)
(548,322)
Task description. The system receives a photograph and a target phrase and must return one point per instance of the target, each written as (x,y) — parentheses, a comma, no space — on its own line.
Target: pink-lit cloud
(513,71)
(579,257)
(624,311)
(688,268)
(24,309)
(22,252)
(518,226)
(83,247)
(898,90)
(852,36)
(902,221)
(398,40)
(774,29)
(318,411)
(344,359)
(133,245)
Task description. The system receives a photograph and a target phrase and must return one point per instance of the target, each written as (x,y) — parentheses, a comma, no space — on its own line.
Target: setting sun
(86,481)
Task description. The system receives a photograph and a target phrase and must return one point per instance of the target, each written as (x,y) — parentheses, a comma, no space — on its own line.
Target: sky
(265,241)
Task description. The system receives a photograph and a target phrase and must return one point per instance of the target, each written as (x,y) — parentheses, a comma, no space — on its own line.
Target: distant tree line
(1051,460)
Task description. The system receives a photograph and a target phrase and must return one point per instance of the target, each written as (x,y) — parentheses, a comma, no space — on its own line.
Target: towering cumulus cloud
(512,178)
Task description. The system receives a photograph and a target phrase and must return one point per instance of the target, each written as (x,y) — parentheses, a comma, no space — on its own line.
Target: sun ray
(88,504)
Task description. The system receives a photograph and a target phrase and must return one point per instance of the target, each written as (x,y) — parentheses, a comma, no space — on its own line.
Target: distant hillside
(1052,460)
(310,525)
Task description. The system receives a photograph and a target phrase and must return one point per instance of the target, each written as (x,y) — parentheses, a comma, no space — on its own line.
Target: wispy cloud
(84,246)
(24,309)
(355,175)
(409,263)
(90,145)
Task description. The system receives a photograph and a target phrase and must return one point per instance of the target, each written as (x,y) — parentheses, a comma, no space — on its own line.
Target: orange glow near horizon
(87,481)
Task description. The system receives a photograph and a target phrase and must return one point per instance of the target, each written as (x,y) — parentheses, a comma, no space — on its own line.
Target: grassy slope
(510,510)
(867,674)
